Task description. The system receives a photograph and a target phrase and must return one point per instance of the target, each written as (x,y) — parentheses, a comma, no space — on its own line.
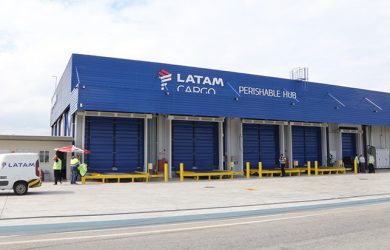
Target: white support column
(282,148)
(170,163)
(145,144)
(83,132)
(220,139)
(241,154)
(289,146)
(79,135)
(339,146)
(76,138)
(359,139)
(228,142)
(324,146)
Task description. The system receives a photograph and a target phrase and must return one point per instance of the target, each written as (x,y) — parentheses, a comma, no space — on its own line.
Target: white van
(19,171)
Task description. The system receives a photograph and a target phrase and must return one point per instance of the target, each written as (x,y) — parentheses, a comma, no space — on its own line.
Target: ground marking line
(196,209)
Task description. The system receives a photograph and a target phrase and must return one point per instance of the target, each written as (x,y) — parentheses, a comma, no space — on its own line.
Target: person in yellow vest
(74,163)
(57,166)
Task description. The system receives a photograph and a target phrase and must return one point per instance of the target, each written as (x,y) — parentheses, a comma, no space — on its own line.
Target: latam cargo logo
(3,165)
(191,83)
(165,77)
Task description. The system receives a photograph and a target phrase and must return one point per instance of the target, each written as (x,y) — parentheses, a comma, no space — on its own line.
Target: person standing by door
(74,163)
(362,164)
(282,163)
(57,167)
(371,162)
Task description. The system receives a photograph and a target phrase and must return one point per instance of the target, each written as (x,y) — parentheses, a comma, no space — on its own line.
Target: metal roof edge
(36,138)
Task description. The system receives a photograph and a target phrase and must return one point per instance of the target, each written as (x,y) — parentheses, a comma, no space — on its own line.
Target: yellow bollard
(248,170)
(355,166)
(260,169)
(165,172)
(316,167)
(308,168)
(150,167)
(181,172)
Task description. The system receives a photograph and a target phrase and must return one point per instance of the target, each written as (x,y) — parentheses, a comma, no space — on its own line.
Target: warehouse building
(130,113)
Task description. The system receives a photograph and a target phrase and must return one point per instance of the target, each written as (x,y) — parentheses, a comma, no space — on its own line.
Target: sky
(342,42)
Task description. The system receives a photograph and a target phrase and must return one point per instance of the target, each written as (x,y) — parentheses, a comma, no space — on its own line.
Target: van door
(5,176)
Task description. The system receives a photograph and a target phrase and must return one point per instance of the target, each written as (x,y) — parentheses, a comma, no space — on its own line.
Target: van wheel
(20,188)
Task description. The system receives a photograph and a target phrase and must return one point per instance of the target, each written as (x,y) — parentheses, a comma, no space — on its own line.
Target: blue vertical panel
(99,135)
(313,144)
(129,144)
(306,142)
(251,141)
(206,145)
(269,145)
(349,148)
(66,123)
(261,143)
(182,144)
(298,144)
(195,144)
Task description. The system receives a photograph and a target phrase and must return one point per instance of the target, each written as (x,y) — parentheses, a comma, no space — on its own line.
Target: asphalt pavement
(343,211)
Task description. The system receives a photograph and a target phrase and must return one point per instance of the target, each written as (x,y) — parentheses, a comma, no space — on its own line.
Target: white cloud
(342,42)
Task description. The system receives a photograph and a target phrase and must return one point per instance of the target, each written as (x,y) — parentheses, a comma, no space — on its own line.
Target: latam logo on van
(3,165)
(18,165)
(191,83)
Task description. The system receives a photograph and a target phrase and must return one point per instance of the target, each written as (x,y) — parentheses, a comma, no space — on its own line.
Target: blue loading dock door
(116,144)
(261,143)
(195,144)
(306,143)
(349,148)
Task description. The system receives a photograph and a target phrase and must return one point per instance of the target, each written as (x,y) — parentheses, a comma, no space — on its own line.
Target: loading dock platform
(118,176)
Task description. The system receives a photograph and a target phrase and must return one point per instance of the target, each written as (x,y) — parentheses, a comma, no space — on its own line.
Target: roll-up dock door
(261,143)
(116,144)
(306,143)
(195,143)
(348,148)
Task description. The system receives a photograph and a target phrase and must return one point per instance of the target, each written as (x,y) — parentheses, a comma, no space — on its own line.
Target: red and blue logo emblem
(165,77)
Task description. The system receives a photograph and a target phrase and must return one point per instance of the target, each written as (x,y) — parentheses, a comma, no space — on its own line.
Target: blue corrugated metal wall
(306,143)
(63,93)
(137,86)
(349,148)
(195,144)
(116,144)
(261,143)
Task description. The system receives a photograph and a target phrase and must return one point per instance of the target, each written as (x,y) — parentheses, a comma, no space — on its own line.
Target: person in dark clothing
(371,162)
(282,163)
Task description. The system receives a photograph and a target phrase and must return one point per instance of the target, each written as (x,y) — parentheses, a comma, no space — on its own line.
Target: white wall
(234,148)
(379,137)
(19,146)
(334,141)
(163,139)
